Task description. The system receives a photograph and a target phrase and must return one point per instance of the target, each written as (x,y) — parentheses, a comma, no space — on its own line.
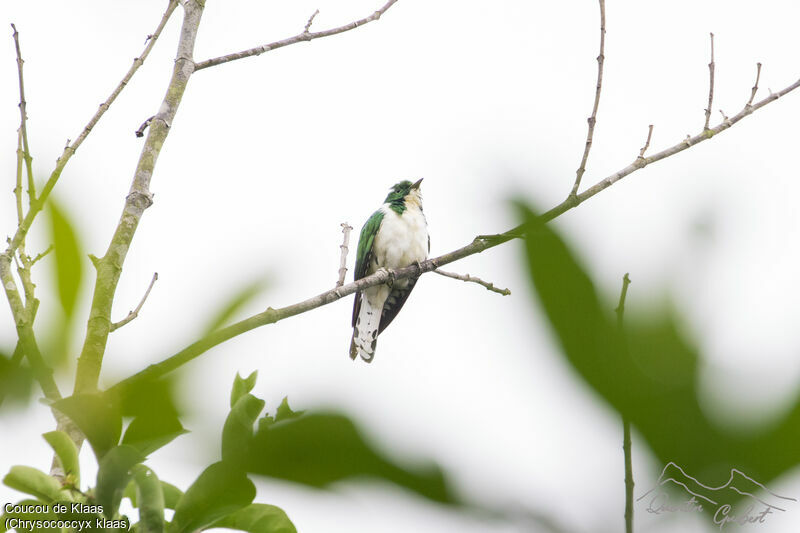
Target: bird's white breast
(402,239)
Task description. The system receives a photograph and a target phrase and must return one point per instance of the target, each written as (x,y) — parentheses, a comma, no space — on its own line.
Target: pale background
(486,101)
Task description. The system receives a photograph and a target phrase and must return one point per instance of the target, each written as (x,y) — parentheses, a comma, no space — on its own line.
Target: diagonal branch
(70,149)
(593,119)
(478,245)
(466,277)
(133,314)
(109,267)
(303,36)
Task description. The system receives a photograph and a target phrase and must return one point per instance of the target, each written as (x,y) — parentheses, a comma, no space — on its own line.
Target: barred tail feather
(365,331)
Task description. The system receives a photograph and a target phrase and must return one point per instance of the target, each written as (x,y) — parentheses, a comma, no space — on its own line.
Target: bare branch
(139,198)
(710,84)
(478,245)
(626,425)
(41,256)
(140,132)
(346,229)
(755,86)
(310,21)
(593,119)
(70,149)
(23,119)
(473,279)
(306,35)
(647,143)
(133,314)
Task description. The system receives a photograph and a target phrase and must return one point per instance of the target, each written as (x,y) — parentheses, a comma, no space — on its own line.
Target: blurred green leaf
(149,432)
(147,397)
(321,449)
(67,454)
(242,386)
(113,475)
(150,497)
(258,518)
(97,417)
(16,380)
(220,490)
(284,412)
(240,299)
(171,494)
(67,251)
(237,433)
(650,375)
(34,482)
(47,515)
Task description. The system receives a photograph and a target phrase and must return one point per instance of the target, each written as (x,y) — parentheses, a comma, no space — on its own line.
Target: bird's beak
(417,184)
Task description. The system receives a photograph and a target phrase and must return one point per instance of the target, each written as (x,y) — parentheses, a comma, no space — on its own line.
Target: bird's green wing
(364,254)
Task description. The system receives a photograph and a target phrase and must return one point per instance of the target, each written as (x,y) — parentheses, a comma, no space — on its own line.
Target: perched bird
(395,236)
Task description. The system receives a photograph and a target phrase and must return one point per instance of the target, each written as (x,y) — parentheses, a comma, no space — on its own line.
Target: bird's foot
(391,277)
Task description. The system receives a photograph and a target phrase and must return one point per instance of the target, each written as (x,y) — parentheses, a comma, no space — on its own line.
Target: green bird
(395,236)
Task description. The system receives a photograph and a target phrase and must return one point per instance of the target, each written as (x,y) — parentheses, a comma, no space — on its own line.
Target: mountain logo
(741,500)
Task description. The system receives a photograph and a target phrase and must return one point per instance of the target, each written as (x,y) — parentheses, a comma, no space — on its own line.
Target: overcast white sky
(486,101)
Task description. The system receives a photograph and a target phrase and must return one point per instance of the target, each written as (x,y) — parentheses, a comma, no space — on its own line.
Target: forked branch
(478,245)
(303,36)
(598,88)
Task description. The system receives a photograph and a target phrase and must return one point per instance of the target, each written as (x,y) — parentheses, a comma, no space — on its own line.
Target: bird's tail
(365,332)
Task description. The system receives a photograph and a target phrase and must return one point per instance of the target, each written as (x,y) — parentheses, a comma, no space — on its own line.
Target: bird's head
(405,193)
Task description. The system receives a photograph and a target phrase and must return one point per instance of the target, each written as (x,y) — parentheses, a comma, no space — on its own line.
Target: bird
(395,236)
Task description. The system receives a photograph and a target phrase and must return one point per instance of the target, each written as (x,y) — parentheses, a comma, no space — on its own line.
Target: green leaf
(113,476)
(237,433)
(242,386)
(284,412)
(240,299)
(97,417)
(16,380)
(34,482)
(258,518)
(47,515)
(650,374)
(321,449)
(150,497)
(220,490)
(149,432)
(67,454)
(171,493)
(69,270)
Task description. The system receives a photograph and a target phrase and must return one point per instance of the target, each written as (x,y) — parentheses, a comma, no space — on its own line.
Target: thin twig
(133,314)
(110,265)
(70,149)
(626,425)
(754,90)
(710,84)
(346,229)
(473,279)
(647,143)
(300,37)
(140,132)
(310,21)
(18,183)
(41,256)
(478,245)
(23,119)
(593,119)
